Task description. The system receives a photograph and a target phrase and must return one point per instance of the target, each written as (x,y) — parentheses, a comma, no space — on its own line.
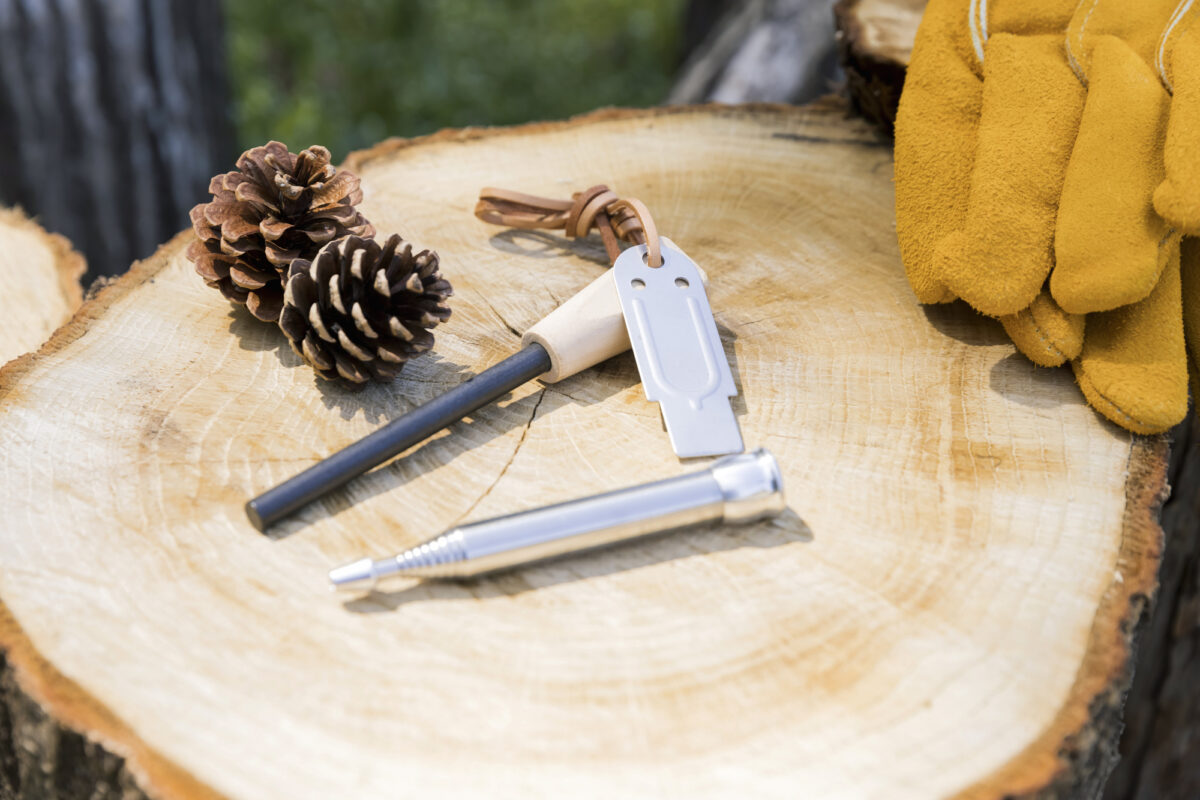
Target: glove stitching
(1082,27)
(1111,405)
(1161,58)
(977,23)
(1049,343)
(1163,243)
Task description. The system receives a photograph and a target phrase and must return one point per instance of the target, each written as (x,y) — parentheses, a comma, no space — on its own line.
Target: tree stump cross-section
(946,610)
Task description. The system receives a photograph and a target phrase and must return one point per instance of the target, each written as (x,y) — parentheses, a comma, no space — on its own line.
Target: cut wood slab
(946,610)
(40,274)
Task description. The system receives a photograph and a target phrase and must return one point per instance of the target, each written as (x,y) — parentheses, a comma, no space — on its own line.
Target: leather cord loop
(598,208)
(520,210)
(632,215)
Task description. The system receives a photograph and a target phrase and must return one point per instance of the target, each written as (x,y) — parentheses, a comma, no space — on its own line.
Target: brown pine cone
(276,207)
(360,310)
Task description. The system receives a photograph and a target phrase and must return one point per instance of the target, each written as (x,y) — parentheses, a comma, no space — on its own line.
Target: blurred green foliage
(348,73)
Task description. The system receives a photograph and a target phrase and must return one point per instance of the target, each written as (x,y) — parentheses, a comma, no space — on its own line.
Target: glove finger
(1032,104)
(1044,333)
(1133,368)
(1178,197)
(935,142)
(1109,242)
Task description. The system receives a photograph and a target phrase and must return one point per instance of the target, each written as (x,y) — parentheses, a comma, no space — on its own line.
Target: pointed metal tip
(357,576)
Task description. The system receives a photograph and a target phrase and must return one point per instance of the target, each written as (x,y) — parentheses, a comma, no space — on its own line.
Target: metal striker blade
(678,350)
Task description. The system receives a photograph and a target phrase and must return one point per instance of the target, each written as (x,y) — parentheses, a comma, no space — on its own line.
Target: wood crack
(511,458)
(500,316)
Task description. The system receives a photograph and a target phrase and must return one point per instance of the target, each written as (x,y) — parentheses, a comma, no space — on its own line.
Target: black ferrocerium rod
(397,436)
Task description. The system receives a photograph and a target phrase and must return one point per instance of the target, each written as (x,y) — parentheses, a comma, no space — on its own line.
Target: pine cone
(360,310)
(278,206)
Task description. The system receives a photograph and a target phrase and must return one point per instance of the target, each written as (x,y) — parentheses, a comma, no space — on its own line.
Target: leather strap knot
(599,208)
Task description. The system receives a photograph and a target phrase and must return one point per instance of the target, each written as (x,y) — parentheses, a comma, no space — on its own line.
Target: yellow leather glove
(1031,146)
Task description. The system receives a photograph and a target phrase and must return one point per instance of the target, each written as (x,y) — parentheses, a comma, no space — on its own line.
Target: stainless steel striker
(736,489)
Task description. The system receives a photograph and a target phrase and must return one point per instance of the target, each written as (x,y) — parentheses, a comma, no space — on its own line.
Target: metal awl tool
(735,489)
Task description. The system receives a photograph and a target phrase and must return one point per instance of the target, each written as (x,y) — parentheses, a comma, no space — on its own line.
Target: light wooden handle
(585,330)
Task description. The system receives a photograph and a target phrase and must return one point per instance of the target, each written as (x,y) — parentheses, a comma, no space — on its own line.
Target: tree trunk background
(780,51)
(115,117)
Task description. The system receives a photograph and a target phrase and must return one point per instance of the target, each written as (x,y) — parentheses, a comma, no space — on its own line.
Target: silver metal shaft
(736,489)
